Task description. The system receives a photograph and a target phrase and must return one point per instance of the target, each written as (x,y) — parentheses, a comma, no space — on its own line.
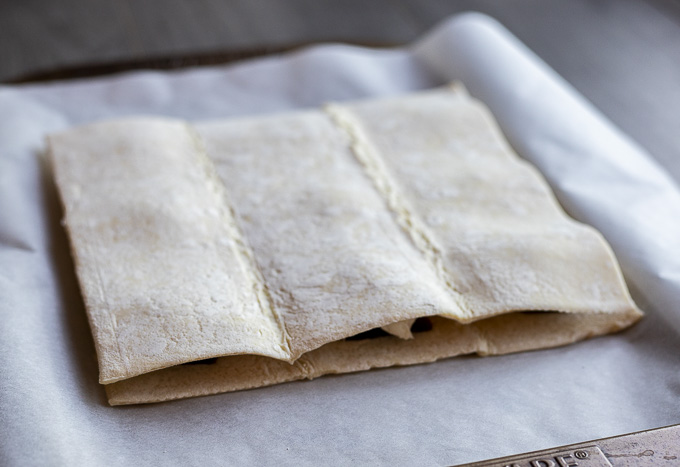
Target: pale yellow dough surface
(267,241)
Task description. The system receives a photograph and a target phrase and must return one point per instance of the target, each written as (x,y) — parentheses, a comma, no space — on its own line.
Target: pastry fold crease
(260,249)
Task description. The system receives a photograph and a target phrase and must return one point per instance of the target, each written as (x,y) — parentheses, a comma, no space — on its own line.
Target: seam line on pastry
(370,159)
(242,250)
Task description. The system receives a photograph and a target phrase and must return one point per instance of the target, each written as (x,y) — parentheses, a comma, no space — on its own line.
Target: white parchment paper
(53,411)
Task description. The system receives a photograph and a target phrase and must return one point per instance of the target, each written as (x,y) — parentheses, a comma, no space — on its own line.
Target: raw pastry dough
(269,241)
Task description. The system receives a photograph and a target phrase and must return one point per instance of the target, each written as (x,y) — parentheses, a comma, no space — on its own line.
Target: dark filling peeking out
(419,325)
(207,361)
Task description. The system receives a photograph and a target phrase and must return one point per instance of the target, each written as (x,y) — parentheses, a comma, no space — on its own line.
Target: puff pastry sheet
(261,249)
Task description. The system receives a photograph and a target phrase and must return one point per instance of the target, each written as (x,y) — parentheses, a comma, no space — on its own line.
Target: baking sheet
(53,411)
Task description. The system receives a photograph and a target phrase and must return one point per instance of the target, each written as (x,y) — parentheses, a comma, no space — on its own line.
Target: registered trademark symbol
(580,454)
